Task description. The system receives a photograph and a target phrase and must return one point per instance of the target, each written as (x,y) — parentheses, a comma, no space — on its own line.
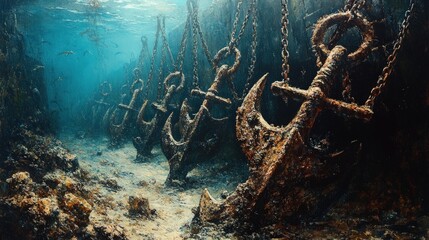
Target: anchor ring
(137,80)
(172,76)
(143,39)
(361,23)
(223,53)
(105,89)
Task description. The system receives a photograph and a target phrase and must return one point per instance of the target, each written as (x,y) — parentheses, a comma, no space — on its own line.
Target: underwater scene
(214,119)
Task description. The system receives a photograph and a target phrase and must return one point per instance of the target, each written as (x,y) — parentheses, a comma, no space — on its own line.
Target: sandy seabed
(172,205)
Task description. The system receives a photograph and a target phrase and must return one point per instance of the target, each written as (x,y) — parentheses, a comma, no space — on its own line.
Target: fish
(66,53)
(87,52)
(45,42)
(38,67)
(87,31)
(117,53)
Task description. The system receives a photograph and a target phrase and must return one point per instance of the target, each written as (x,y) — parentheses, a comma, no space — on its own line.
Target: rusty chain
(181,54)
(195,82)
(165,43)
(203,41)
(253,47)
(347,88)
(235,24)
(285,43)
(236,39)
(164,50)
(392,59)
(154,52)
(252,12)
(143,51)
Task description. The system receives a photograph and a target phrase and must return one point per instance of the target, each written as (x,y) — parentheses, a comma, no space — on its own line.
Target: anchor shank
(318,90)
(222,72)
(131,106)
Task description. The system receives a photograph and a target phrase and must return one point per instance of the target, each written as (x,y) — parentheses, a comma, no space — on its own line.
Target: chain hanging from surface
(154,52)
(195,82)
(253,47)
(181,55)
(165,43)
(193,21)
(392,59)
(251,12)
(285,43)
(203,41)
(235,40)
(144,52)
(165,48)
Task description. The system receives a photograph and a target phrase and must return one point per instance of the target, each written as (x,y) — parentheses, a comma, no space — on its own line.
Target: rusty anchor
(117,130)
(287,179)
(197,137)
(149,131)
(102,104)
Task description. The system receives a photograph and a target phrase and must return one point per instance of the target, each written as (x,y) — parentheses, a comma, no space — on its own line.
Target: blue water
(103,37)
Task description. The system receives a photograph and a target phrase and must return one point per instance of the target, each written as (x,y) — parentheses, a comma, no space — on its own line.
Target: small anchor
(196,137)
(102,104)
(288,179)
(117,130)
(150,130)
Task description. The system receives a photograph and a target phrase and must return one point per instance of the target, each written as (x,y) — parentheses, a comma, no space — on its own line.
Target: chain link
(244,25)
(251,12)
(181,54)
(347,86)
(165,48)
(285,43)
(165,43)
(232,42)
(203,41)
(253,48)
(195,82)
(144,51)
(154,52)
(391,60)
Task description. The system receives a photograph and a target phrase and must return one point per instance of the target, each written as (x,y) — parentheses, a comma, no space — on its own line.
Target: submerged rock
(109,232)
(139,207)
(47,212)
(39,155)
(111,184)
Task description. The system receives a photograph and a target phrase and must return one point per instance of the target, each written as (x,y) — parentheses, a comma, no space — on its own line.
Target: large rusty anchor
(198,134)
(150,130)
(287,179)
(117,129)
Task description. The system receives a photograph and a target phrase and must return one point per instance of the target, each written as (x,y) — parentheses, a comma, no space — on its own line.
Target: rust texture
(149,131)
(198,134)
(288,180)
